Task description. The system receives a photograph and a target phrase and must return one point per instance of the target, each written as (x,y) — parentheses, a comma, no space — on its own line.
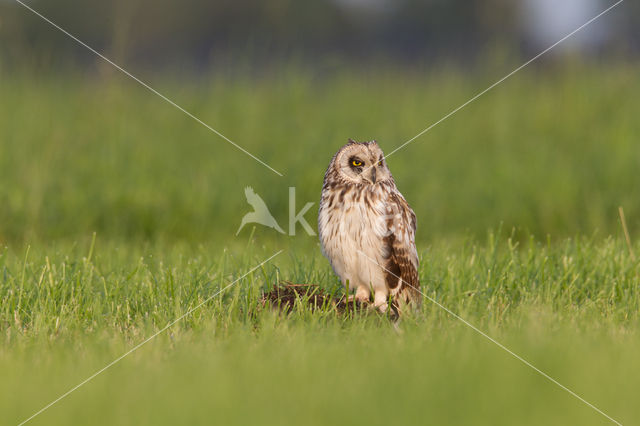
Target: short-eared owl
(367,229)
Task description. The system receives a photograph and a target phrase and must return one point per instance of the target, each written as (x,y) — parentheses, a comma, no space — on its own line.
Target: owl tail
(408,295)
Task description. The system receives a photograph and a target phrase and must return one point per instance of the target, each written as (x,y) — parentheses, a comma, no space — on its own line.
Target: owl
(366,227)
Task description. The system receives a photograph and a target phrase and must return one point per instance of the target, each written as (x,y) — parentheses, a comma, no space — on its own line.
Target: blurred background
(198,35)
(551,152)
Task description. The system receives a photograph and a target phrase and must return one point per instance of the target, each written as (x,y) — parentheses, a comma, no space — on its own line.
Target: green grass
(571,309)
(551,151)
(544,160)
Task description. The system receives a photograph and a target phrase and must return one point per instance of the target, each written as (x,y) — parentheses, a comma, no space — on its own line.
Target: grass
(119,215)
(551,152)
(571,309)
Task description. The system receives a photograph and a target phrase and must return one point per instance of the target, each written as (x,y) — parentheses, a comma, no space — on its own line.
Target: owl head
(360,162)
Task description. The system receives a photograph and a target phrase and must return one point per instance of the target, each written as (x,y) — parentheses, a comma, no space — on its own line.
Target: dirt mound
(284,296)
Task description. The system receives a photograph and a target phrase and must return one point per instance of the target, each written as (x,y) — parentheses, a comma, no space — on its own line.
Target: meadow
(118,214)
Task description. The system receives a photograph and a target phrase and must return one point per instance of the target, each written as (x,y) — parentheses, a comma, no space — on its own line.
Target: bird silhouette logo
(260,213)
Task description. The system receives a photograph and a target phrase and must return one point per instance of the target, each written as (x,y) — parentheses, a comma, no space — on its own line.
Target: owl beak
(373,175)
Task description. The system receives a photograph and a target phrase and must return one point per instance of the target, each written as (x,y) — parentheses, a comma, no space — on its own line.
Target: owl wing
(402,260)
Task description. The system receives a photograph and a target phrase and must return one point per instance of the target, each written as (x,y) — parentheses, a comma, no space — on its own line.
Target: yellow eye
(356,163)
(380,163)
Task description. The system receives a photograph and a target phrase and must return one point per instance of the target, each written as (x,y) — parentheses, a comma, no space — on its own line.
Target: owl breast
(352,227)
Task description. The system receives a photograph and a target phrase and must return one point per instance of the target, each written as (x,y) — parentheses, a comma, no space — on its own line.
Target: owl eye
(356,163)
(379,163)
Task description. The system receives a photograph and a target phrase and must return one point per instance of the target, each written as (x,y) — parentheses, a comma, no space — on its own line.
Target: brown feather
(400,265)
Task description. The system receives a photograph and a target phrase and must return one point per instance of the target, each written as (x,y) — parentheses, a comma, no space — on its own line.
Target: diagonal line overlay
(136,347)
(452,112)
(146,86)
(500,345)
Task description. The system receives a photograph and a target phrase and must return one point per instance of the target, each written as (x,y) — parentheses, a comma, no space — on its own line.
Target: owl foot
(380,302)
(382,307)
(390,309)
